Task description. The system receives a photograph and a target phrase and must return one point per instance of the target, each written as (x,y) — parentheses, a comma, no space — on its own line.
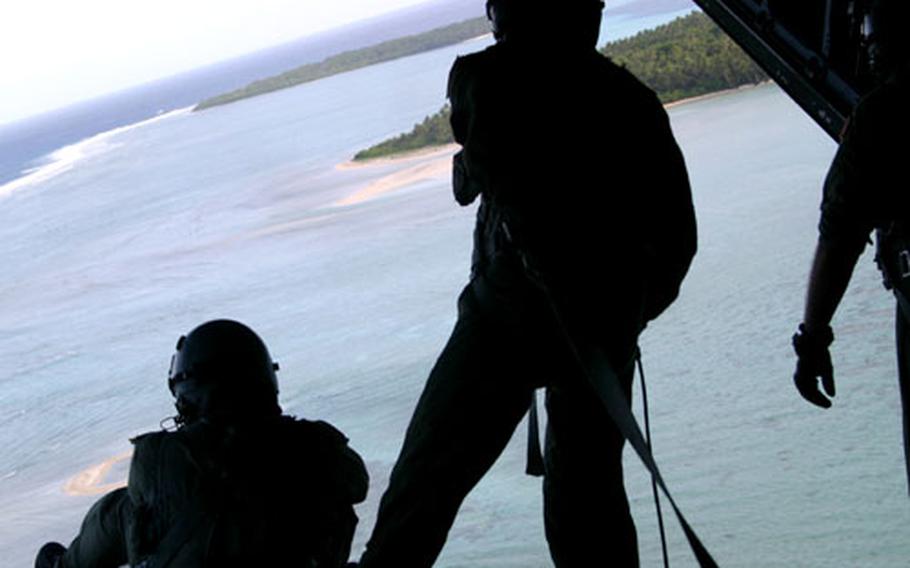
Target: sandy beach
(403,158)
(714,94)
(414,167)
(435,162)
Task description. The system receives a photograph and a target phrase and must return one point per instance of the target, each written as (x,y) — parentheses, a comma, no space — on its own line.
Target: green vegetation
(687,57)
(433,131)
(350,60)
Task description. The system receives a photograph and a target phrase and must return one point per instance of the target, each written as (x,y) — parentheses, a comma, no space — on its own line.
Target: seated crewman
(236,484)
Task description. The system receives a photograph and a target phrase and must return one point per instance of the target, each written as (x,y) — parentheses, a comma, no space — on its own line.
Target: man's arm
(845,223)
(831,271)
(347,478)
(832,268)
(465,186)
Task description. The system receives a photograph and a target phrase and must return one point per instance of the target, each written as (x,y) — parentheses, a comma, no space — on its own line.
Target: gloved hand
(464,187)
(814,363)
(50,554)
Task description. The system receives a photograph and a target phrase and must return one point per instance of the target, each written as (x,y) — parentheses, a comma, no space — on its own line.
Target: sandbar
(92,480)
(427,164)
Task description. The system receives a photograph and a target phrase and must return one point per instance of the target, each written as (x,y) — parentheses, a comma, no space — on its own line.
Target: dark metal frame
(822,68)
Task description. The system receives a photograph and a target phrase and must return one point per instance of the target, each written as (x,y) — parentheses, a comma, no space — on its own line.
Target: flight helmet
(576,21)
(222,370)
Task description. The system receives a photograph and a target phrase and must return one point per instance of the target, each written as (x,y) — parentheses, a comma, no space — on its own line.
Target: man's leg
(473,400)
(586,511)
(102,538)
(49,555)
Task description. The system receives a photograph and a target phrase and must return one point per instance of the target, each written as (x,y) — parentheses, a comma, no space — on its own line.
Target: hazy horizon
(57,69)
(434,13)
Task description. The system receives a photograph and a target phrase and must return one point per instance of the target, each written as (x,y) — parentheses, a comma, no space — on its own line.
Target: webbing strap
(605,382)
(660,515)
(601,376)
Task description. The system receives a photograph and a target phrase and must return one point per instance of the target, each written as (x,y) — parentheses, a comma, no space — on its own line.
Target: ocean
(34,143)
(144,231)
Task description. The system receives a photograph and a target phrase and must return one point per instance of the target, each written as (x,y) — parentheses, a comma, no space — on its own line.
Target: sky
(56,52)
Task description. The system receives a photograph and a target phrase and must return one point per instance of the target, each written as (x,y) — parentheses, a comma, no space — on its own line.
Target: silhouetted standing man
(866,189)
(585,206)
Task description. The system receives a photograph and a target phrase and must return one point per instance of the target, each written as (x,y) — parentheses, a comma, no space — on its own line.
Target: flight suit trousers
(102,539)
(504,345)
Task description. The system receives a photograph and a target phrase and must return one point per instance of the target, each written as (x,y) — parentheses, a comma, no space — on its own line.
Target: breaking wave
(64,159)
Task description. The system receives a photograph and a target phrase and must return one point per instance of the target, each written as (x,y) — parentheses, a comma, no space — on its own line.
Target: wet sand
(415,167)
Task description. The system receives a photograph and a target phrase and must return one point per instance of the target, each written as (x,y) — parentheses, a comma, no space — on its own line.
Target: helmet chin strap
(187,412)
(193,409)
(174,425)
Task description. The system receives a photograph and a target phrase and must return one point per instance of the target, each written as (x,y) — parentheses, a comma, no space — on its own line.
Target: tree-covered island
(351,60)
(433,131)
(685,58)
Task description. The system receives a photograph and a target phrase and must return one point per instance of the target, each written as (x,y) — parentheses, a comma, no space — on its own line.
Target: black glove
(50,554)
(813,363)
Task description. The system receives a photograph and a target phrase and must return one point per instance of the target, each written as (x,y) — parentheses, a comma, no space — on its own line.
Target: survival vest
(222,496)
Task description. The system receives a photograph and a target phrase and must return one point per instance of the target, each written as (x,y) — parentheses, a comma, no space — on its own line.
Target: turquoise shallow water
(230,213)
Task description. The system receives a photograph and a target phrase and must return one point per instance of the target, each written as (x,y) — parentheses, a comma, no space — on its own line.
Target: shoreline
(435,161)
(401,157)
(426,165)
(413,167)
(714,94)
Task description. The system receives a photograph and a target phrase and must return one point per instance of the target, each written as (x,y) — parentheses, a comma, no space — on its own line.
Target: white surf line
(65,158)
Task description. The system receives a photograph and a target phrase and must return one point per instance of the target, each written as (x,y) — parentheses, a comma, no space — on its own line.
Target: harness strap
(660,515)
(535,465)
(603,379)
(601,376)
